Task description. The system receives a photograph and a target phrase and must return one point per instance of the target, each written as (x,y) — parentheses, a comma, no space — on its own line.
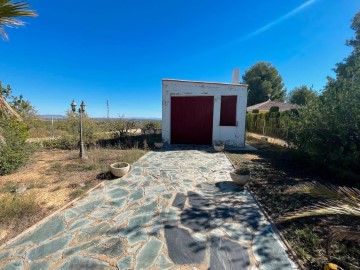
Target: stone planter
(119,169)
(158,144)
(219,148)
(240,179)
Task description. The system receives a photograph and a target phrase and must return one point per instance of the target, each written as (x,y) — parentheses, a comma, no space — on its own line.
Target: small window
(228,111)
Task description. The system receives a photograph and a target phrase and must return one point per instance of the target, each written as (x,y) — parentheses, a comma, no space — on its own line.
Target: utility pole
(107,106)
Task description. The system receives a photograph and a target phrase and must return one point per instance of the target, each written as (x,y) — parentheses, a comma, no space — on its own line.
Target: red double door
(192,120)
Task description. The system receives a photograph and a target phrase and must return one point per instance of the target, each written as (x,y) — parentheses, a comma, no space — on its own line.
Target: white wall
(230,135)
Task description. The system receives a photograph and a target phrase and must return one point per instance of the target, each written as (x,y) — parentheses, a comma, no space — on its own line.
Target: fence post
(264,126)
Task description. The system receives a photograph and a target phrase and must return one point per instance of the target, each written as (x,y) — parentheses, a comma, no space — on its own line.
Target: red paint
(192,120)
(228,111)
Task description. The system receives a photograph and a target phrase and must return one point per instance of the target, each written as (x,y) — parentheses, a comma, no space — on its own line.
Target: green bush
(14,152)
(255,111)
(274,109)
(274,124)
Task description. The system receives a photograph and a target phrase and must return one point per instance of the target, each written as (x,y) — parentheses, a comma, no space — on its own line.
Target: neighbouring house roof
(265,106)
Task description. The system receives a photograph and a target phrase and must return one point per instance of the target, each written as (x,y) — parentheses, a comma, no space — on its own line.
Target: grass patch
(36,184)
(77,193)
(8,187)
(17,206)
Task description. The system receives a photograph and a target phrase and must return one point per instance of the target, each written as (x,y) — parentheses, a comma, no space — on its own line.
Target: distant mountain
(50,116)
(62,117)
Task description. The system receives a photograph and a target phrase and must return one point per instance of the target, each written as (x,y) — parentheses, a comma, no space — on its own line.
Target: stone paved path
(177,209)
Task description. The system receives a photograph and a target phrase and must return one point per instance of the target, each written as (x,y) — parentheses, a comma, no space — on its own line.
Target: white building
(204,112)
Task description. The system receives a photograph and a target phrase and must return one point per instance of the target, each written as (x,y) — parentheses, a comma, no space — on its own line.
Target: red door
(192,120)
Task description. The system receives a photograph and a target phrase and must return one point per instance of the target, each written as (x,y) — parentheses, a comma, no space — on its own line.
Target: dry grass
(52,179)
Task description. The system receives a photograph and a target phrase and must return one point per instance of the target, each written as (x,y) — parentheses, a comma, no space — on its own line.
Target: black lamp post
(81,111)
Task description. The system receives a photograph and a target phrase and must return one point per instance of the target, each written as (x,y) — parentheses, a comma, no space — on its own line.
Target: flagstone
(44,265)
(78,262)
(174,210)
(44,232)
(125,263)
(148,254)
(49,248)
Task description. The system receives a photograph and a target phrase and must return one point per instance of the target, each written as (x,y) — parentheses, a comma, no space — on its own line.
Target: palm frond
(340,201)
(341,233)
(9,13)
(332,207)
(329,192)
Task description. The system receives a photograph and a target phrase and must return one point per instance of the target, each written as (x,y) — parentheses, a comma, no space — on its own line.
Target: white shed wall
(230,135)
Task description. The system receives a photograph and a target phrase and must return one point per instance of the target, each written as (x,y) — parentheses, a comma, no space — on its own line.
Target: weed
(77,193)
(55,189)
(17,206)
(56,167)
(8,187)
(37,184)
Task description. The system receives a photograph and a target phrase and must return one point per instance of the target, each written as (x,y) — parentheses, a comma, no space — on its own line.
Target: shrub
(255,111)
(14,152)
(274,109)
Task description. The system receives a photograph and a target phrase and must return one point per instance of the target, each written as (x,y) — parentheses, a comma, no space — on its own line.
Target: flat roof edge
(188,81)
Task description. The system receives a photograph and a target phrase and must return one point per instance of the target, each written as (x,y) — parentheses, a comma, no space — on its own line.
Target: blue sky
(120,50)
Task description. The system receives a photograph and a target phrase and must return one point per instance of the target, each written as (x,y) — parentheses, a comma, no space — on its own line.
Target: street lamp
(81,111)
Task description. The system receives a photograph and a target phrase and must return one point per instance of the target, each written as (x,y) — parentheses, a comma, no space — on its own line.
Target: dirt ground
(52,179)
(274,170)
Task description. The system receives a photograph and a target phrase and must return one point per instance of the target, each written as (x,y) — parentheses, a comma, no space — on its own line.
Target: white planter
(240,179)
(219,148)
(158,144)
(120,171)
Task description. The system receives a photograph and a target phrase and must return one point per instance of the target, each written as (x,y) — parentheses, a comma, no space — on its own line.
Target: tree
(264,80)
(302,95)
(9,13)
(21,106)
(329,130)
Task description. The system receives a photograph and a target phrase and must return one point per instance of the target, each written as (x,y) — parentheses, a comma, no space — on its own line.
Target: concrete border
(294,258)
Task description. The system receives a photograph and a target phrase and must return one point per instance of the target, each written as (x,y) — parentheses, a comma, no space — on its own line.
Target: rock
(195,200)
(21,189)
(269,252)
(137,236)
(4,255)
(78,262)
(45,231)
(225,254)
(73,250)
(148,254)
(182,248)
(163,262)
(79,223)
(14,265)
(125,263)
(147,209)
(196,219)
(111,248)
(179,201)
(39,265)
(117,193)
(137,195)
(49,248)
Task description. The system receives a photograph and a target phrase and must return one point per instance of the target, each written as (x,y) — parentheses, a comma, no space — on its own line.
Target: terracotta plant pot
(119,169)
(240,179)
(219,148)
(158,144)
